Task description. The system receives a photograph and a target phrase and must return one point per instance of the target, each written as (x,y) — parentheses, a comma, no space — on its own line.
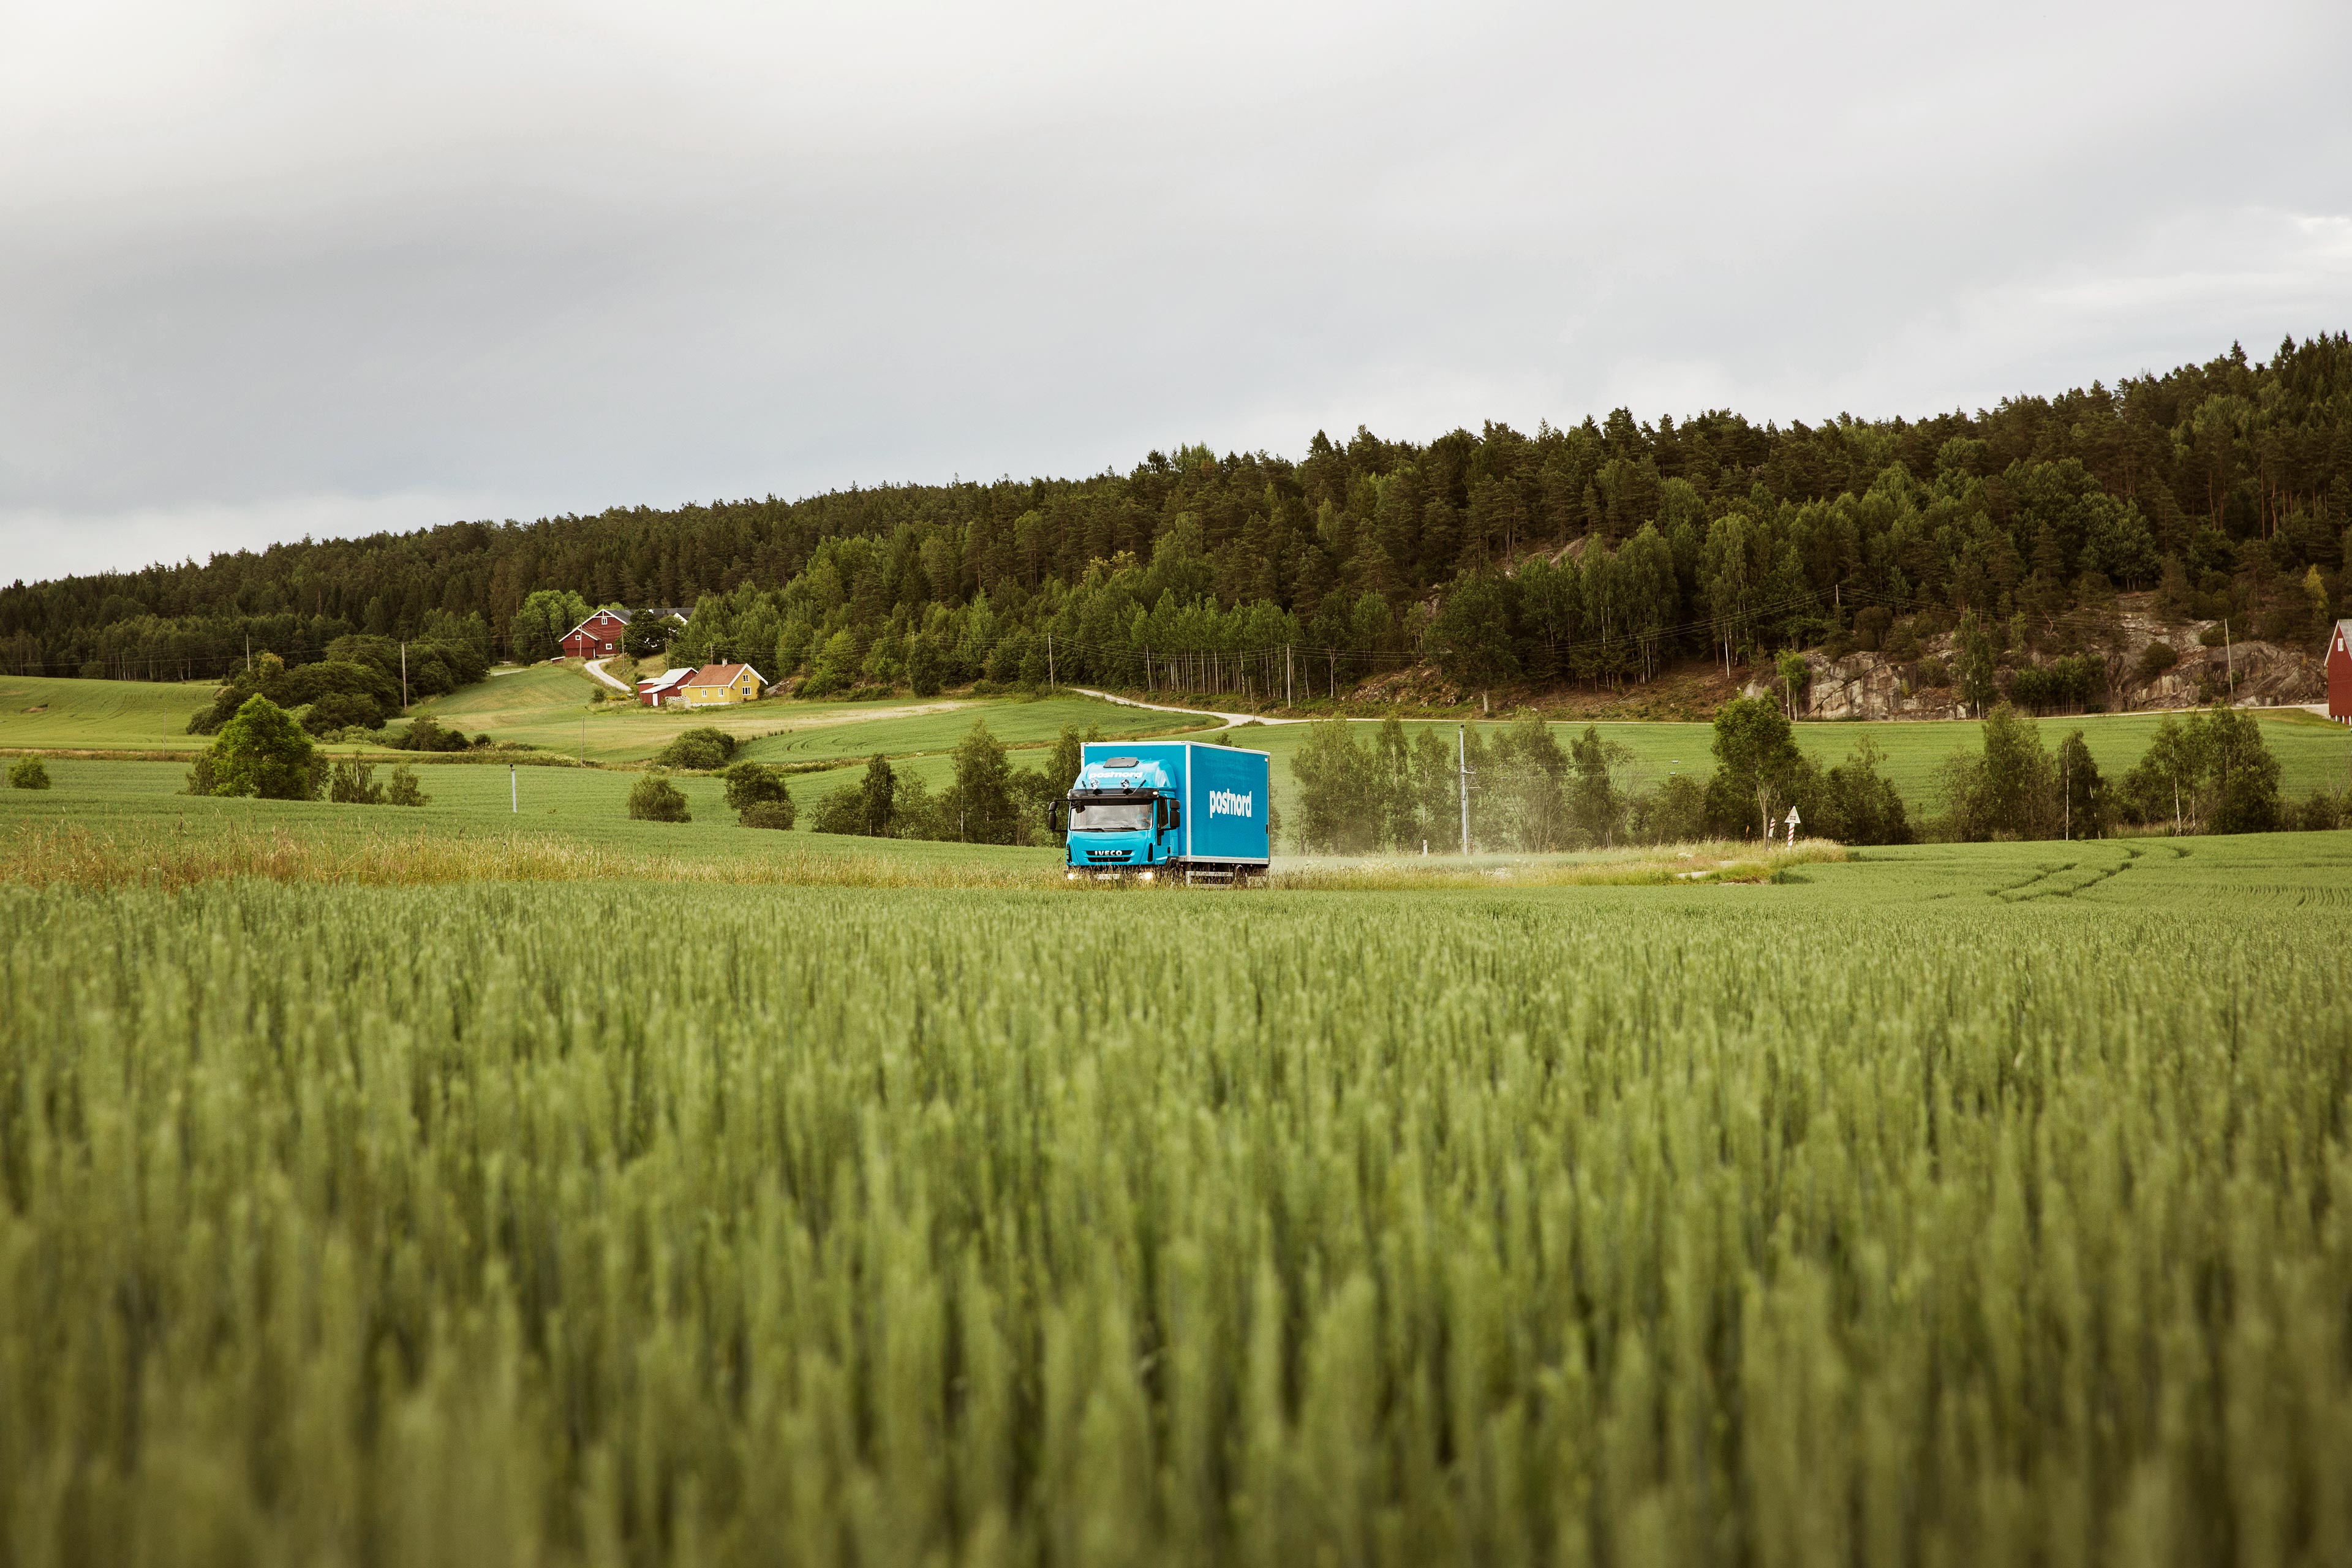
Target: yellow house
(716,683)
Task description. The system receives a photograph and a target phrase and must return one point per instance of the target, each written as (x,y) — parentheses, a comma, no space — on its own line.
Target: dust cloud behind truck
(1148,809)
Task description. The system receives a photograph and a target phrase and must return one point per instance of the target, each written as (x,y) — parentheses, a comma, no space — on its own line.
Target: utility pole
(403,674)
(1049,661)
(2230,661)
(1462,769)
(1286,694)
(248,653)
(2066,784)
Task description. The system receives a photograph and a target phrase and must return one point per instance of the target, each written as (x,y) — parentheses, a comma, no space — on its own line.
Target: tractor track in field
(2044,882)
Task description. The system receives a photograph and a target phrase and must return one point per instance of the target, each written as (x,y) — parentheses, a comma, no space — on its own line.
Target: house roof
(664,681)
(599,616)
(721,675)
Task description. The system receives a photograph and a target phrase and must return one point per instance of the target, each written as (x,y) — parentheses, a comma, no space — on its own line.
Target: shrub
(2212,635)
(749,784)
(28,772)
(654,798)
(404,790)
(1901,644)
(339,711)
(1935,674)
(349,783)
(2155,659)
(770,813)
(1675,812)
(2324,812)
(425,734)
(334,677)
(843,811)
(207,720)
(1860,805)
(262,751)
(703,750)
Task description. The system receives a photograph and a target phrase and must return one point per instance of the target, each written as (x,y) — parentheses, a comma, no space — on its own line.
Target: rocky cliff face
(1870,686)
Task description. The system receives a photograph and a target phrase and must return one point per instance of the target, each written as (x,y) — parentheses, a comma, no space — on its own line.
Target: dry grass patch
(76,858)
(1656,866)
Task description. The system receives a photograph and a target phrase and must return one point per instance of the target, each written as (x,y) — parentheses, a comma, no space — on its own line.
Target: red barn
(2339,673)
(597,636)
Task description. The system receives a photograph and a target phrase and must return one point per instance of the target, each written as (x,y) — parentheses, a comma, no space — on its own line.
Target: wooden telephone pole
(1462,768)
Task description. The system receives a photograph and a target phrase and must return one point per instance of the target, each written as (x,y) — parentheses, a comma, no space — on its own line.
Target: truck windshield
(1109,815)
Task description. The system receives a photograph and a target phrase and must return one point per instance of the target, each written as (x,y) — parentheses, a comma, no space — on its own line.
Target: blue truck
(1146,810)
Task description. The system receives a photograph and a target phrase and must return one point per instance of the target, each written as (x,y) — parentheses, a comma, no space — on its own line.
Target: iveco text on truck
(1143,810)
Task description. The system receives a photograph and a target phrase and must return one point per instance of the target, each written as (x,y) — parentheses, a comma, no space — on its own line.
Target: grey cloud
(340,267)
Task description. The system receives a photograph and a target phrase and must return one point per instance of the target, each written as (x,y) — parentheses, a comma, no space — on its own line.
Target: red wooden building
(597,636)
(2339,673)
(665,688)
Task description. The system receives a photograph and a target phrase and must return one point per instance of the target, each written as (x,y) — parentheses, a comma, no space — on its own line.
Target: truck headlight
(1145,877)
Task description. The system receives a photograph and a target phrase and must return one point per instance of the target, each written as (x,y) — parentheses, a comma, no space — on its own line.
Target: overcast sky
(274,269)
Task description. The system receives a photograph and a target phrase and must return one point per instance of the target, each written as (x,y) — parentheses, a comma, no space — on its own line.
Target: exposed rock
(2253,674)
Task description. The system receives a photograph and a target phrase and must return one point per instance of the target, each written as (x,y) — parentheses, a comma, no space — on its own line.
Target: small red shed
(666,688)
(2339,673)
(597,636)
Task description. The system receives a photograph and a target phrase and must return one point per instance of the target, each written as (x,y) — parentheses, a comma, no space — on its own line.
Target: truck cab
(1144,811)
(1123,817)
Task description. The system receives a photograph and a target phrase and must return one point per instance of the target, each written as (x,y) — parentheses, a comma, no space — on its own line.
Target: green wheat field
(1949,1205)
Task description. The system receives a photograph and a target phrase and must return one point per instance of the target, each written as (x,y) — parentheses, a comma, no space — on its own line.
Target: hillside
(1595,558)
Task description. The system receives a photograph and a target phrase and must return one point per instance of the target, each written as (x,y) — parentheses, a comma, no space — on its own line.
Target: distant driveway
(1202,713)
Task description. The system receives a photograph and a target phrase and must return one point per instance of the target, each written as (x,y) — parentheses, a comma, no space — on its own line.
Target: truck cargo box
(1224,790)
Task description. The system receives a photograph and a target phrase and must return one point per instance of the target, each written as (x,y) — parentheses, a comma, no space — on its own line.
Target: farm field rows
(100,715)
(1954,1204)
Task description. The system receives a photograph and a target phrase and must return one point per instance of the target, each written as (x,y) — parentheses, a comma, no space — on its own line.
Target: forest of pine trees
(1602,552)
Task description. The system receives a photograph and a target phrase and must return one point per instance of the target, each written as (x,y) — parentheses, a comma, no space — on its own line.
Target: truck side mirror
(1175,813)
(1053,810)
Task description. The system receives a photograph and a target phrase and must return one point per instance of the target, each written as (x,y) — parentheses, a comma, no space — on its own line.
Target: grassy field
(107,824)
(45,712)
(549,706)
(582,809)
(552,707)
(2312,753)
(1952,1205)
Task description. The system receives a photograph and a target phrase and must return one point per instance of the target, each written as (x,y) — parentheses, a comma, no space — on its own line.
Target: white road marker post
(1793,828)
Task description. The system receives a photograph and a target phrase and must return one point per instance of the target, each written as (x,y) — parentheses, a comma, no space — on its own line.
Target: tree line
(1592,553)
(1520,790)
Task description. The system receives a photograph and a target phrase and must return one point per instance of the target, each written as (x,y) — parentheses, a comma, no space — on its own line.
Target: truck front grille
(1101,854)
